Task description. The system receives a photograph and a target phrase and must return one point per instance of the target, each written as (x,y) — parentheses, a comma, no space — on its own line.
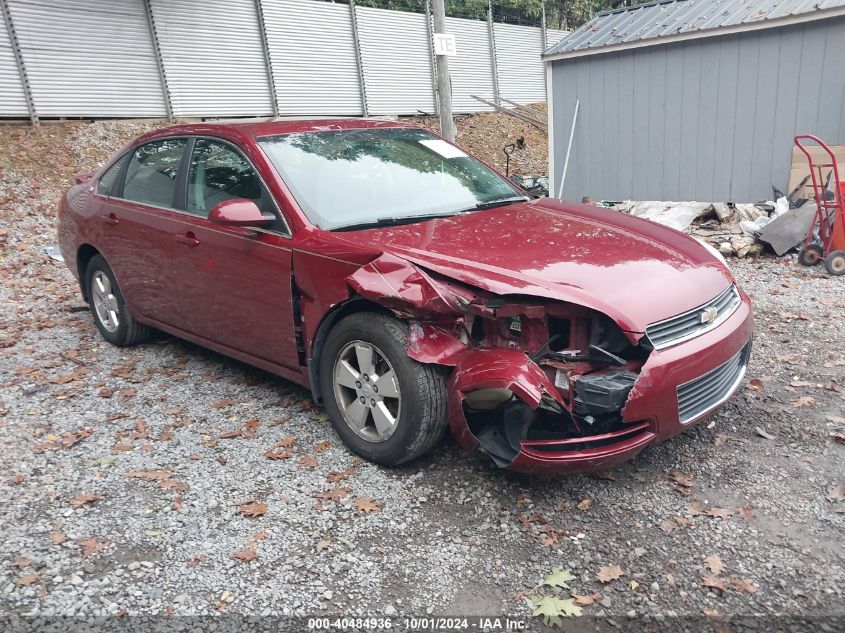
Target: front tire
(385,406)
(111,316)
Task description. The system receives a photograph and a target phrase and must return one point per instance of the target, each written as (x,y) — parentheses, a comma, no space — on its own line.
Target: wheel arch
(353,305)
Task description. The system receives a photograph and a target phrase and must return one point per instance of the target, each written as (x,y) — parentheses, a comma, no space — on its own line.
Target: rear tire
(811,256)
(835,263)
(413,395)
(111,316)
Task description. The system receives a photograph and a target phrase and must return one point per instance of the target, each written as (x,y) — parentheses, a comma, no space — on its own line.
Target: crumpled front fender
(494,369)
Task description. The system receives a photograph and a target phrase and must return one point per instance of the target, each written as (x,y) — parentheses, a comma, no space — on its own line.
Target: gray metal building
(694,99)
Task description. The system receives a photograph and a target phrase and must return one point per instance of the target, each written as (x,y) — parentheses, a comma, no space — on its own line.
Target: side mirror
(239,212)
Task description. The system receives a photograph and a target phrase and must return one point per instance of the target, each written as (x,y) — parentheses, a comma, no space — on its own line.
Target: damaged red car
(412,288)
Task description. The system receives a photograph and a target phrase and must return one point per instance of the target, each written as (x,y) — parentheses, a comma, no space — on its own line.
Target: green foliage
(559,578)
(560,14)
(552,609)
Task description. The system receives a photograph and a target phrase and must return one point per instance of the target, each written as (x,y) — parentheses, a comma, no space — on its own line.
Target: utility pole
(444,81)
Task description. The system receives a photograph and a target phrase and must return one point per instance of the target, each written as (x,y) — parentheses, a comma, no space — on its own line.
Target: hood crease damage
(533,379)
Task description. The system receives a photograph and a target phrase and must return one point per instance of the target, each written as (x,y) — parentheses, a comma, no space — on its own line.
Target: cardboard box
(800,169)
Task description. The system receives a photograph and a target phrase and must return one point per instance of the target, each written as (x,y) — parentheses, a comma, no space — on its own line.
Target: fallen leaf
(609,572)
(755,384)
(585,601)
(667,525)
(694,508)
(323,544)
(321,446)
(746,512)
(91,545)
(803,401)
(196,560)
(585,504)
(559,578)
(335,494)
(276,454)
(286,442)
(363,504)
(836,493)
(222,404)
(172,484)
(713,582)
(719,513)
(16,479)
(28,579)
(148,474)
(58,538)
(81,499)
(552,609)
(253,509)
(740,584)
(21,562)
(309,462)
(714,564)
(683,480)
(245,555)
(683,521)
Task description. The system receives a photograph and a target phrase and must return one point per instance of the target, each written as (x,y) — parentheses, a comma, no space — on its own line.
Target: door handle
(188,239)
(110,219)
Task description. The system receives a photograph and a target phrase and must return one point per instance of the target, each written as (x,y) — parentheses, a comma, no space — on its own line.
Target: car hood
(635,271)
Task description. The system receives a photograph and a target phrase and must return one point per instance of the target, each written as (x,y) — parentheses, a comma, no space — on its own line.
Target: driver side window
(217,173)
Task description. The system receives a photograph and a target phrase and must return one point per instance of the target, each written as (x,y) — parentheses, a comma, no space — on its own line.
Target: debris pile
(735,230)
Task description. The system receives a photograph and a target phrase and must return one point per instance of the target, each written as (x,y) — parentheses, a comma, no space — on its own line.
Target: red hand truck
(830,212)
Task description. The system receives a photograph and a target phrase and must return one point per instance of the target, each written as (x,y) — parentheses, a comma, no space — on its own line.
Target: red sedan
(412,288)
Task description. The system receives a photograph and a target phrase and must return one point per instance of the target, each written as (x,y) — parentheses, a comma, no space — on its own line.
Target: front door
(236,281)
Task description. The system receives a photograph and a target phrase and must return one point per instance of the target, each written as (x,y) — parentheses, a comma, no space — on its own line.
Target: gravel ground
(126,472)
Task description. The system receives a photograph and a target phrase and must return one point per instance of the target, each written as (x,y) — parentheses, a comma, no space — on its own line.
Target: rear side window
(218,173)
(152,171)
(109,178)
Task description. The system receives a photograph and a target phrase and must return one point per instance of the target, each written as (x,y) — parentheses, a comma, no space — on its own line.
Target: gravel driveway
(138,481)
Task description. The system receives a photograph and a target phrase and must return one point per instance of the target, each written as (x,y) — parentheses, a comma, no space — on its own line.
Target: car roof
(271,127)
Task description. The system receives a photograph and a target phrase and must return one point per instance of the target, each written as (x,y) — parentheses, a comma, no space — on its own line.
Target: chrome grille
(694,322)
(702,394)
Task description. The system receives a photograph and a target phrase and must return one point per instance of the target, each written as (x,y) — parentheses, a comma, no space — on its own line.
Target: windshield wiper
(408,219)
(501,202)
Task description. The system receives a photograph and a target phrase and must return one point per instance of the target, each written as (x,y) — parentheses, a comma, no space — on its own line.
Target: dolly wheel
(811,255)
(835,263)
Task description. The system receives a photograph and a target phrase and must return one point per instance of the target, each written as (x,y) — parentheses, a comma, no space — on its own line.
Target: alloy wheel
(105,303)
(367,391)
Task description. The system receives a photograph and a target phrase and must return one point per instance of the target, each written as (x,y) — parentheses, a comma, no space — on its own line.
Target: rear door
(140,227)
(236,287)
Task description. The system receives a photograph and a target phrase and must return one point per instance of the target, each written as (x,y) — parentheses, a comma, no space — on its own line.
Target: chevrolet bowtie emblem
(708,315)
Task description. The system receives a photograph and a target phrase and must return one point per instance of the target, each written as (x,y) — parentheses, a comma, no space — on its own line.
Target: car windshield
(354,178)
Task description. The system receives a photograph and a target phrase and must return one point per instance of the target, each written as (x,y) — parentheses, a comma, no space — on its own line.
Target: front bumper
(651,412)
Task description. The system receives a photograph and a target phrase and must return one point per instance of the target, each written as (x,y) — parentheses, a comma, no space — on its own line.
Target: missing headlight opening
(590,366)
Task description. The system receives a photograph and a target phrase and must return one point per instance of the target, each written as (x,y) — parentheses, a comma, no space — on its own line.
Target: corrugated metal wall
(312,77)
(12,96)
(213,57)
(151,58)
(396,60)
(88,59)
(708,120)
(520,78)
(472,68)
(553,36)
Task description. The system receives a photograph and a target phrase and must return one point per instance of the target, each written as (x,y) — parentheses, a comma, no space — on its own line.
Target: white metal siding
(397,62)
(313,56)
(213,59)
(472,68)
(90,59)
(553,36)
(520,71)
(12,98)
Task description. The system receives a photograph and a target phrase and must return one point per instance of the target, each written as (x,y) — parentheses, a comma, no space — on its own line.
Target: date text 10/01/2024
(427,623)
